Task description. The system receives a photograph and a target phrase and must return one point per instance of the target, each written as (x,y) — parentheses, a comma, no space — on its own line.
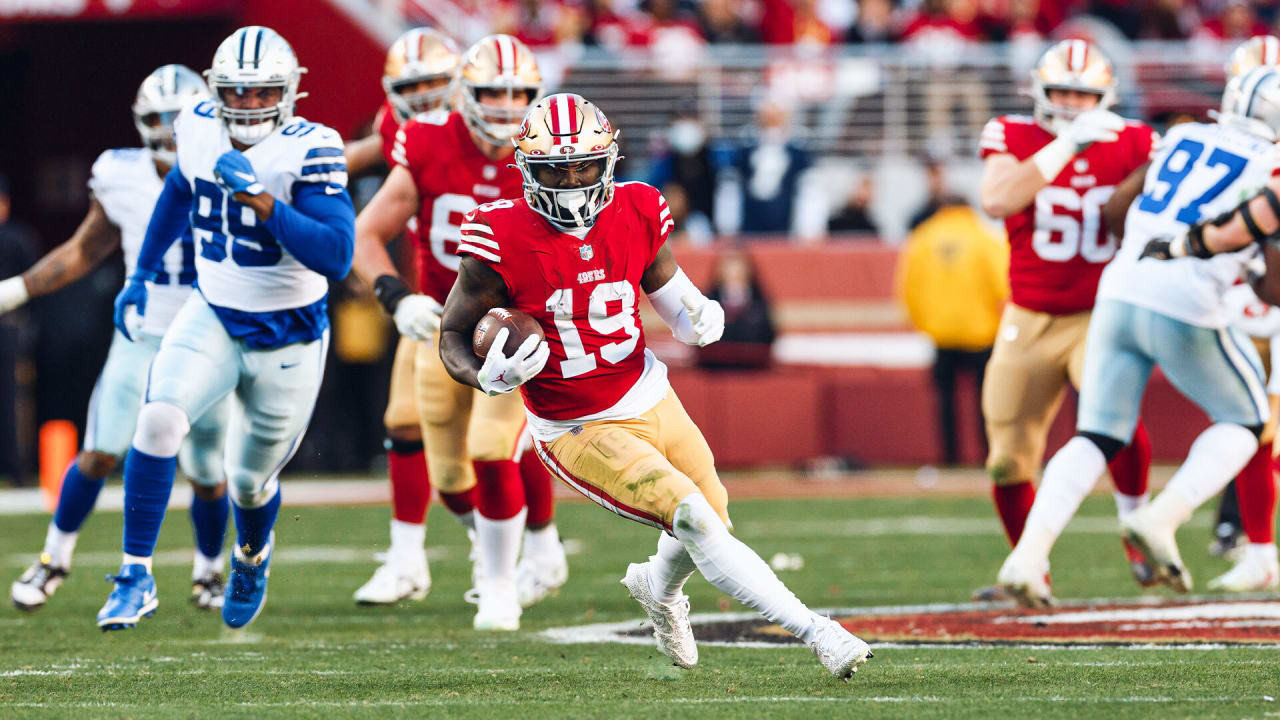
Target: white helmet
(254,57)
(1251,103)
(1070,65)
(566,129)
(160,98)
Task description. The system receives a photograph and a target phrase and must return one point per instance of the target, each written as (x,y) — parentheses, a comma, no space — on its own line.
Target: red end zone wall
(879,415)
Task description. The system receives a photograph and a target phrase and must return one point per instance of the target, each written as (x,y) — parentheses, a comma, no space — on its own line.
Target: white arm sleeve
(668,300)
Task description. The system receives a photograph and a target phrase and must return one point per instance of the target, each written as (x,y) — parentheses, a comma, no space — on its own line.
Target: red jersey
(386,123)
(452,177)
(583,292)
(1059,243)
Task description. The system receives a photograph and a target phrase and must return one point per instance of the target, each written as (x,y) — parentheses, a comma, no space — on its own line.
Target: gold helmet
(1070,65)
(504,64)
(566,150)
(1257,51)
(421,55)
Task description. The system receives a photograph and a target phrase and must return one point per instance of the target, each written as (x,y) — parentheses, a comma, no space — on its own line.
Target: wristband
(1052,158)
(390,290)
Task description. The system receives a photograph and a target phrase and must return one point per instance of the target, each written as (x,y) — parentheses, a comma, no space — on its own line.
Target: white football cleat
(670,622)
(395,580)
(538,576)
(1153,536)
(1258,569)
(496,606)
(839,651)
(1027,583)
(37,584)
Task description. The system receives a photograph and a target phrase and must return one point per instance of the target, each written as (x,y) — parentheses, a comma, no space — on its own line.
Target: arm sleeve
(318,228)
(168,221)
(668,301)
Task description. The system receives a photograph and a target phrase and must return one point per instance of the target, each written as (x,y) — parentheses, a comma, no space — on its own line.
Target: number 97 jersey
(584,293)
(1059,243)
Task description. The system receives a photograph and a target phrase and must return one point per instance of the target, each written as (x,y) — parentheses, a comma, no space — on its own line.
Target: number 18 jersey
(452,177)
(1059,243)
(583,291)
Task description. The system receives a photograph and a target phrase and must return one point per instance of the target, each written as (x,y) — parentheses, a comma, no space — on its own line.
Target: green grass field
(313,653)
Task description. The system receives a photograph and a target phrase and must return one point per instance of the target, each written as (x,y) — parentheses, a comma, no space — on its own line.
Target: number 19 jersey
(583,291)
(452,177)
(1059,243)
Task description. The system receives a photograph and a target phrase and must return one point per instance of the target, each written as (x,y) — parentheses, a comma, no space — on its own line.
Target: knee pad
(161,429)
(694,519)
(1107,444)
(248,491)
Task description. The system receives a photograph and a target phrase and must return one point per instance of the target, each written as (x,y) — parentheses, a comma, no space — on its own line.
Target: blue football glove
(131,304)
(235,173)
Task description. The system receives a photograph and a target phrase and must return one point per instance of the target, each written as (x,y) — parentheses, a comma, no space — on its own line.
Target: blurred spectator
(1170,20)
(874,23)
(18,250)
(686,162)
(748,328)
(774,185)
(1237,22)
(794,22)
(943,32)
(952,278)
(855,216)
(725,21)
(939,196)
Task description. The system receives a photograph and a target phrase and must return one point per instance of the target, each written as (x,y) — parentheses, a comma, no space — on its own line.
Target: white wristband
(1052,158)
(13,293)
(668,301)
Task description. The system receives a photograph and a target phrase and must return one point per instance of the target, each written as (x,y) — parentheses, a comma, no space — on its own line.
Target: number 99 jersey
(238,263)
(584,293)
(1059,243)
(452,177)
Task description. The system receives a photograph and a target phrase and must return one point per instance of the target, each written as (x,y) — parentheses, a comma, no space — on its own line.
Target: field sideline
(313,652)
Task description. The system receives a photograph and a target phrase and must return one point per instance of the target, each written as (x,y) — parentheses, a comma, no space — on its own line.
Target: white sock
(408,539)
(205,566)
(59,546)
(468,519)
(498,542)
(1264,550)
(539,543)
(737,570)
(137,560)
(1068,478)
(669,568)
(1217,455)
(1126,504)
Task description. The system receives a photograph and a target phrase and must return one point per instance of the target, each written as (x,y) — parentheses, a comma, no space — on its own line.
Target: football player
(1048,177)
(445,166)
(265,193)
(420,67)
(575,252)
(1153,310)
(125,184)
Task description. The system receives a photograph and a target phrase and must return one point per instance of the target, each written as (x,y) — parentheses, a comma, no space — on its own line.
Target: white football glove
(1093,126)
(13,294)
(417,317)
(501,374)
(707,318)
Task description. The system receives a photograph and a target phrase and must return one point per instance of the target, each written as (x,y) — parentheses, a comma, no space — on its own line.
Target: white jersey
(125,182)
(239,265)
(1198,172)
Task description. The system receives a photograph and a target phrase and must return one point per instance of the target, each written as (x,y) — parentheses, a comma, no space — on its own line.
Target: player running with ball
(575,253)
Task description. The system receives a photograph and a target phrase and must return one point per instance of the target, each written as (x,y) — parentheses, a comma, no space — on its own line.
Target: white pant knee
(161,429)
(695,520)
(248,491)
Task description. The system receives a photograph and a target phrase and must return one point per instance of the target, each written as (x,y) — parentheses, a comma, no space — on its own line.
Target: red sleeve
(1145,140)
(993,138)
(479,241)
(411,147)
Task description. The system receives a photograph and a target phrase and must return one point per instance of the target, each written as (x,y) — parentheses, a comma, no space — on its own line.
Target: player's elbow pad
(668,301)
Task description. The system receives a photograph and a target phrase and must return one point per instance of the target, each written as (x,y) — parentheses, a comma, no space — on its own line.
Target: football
(520,323)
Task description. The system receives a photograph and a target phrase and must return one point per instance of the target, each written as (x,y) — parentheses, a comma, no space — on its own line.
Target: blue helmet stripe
(1254,79)
(257,48)
(240,59)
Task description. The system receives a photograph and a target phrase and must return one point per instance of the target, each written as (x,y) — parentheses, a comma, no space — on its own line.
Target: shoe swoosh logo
(286,366)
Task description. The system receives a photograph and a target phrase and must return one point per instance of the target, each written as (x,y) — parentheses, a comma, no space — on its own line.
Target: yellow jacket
(953,277)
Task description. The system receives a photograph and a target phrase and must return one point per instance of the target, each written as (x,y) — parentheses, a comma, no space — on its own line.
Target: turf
(313,653)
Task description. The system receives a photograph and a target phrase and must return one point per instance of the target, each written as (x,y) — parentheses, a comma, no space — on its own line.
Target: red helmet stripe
(506,54)
(554,114)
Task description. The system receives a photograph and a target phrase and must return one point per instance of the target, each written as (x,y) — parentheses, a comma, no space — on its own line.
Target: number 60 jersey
(583,292)
(1059,244)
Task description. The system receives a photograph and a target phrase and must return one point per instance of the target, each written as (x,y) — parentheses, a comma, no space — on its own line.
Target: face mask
(685,136)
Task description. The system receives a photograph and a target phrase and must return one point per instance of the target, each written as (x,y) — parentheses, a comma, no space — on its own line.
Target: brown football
(519,324)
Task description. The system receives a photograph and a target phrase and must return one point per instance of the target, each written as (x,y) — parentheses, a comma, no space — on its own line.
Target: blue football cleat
(247,587)
(133,598)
